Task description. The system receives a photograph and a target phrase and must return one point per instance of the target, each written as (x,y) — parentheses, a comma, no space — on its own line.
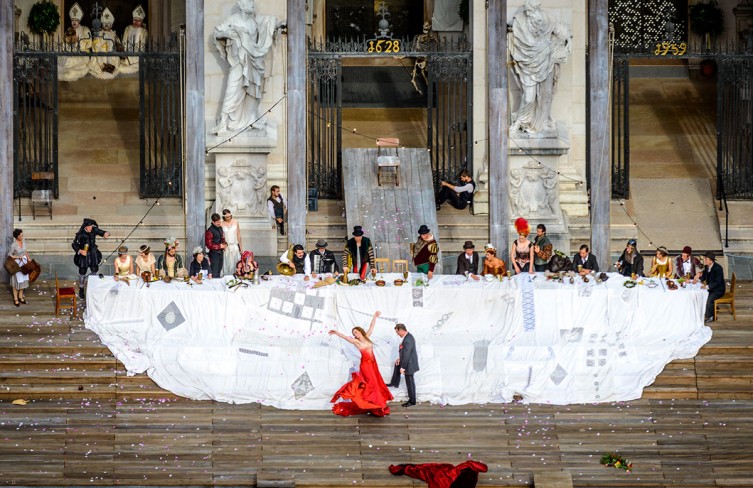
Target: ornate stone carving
(242,188)
(533,191)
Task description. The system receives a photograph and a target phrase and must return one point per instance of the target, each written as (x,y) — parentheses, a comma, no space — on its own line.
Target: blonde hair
(363,332)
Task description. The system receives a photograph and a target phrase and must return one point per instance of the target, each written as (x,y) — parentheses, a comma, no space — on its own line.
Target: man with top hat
(323,260)
(214,240)
(687,265)
(712,277)
(78,39)
(87,255)
(630,262)
(359,254)
(468,261)
(425,252)
(134,40)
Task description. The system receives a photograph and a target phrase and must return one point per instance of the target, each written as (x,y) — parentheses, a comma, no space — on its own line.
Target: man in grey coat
(406,364)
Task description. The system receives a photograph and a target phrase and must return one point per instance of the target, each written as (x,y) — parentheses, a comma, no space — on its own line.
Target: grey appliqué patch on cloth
(480,355)
(302,386)
(171,317)
(558,374)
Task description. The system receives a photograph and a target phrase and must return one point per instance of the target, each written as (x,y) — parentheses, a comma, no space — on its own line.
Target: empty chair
(399,265)
(63,295)
(382,265)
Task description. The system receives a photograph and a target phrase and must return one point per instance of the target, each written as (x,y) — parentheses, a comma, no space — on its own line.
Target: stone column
(195,142)
(296,121)
(6,130)
(499,211)
(601,177)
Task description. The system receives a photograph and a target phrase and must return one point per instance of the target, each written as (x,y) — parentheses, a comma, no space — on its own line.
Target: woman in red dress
(366,391)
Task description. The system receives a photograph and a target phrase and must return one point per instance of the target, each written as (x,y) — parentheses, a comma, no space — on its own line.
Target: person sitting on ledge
(459,196)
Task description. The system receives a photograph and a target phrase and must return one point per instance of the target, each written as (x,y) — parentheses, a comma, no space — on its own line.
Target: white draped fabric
(477,342)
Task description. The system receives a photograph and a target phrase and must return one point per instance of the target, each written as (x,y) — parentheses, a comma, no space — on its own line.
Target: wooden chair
(64,294)
(727,299)
(385,162)
(42,198)
(382,265)
(399,265)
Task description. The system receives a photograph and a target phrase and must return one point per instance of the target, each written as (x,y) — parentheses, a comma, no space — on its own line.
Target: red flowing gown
(366,391)
(441,475)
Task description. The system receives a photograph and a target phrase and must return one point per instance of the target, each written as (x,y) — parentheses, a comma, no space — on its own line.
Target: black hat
(632,242)
(321,243)
(88,222)
(710,255)
(423,230)
(357,230)
(469,245)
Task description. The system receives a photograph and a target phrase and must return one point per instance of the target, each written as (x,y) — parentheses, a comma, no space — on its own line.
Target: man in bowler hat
(468,261)
(406,364)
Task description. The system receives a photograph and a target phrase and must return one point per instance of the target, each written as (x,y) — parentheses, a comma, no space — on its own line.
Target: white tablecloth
(477,341)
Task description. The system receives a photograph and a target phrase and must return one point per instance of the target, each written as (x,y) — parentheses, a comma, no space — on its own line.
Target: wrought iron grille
(35,127)
(735,127)
(161,125)
(620,122)
(324,144)
(640,24)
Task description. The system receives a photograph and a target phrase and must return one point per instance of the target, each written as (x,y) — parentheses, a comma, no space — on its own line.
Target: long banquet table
(478,341)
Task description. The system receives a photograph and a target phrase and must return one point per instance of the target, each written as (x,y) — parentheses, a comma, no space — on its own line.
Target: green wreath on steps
(44,17)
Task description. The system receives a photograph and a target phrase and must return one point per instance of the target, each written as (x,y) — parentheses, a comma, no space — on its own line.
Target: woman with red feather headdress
(521,253)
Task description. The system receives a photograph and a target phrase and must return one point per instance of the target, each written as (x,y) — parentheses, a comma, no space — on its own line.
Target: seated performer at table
(171,263)
(124,266)
(687,265)
(521,252)
(246,267)
(425,252)
(145,261)
(323,260)
(585,262)
(631,261)
(468,261)
(199,266)
(492,264)
(359,254)
(366,391)
(296,258)
(459,195)
(712,277)
(661,265)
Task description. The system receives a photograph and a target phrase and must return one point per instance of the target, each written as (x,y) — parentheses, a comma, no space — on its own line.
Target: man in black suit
(406,364)
(468,261)
(585,262)
(712,277)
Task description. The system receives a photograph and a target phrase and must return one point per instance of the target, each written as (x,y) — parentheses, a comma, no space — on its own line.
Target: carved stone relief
(533,191)
(242,188)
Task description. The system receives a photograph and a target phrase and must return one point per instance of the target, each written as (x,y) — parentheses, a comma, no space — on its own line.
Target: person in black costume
(712,277)
(631,261)
(459,195)
(87,255)
(323,260)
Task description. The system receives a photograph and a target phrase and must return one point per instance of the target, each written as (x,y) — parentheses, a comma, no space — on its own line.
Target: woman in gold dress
(661,265)
(492,264)
(124,265)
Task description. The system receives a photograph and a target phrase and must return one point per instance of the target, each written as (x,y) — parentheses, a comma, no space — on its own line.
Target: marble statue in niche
(533,191)
(539,45)
(244,40)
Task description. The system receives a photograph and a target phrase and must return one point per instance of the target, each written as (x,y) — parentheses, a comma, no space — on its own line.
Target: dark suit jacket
(464,265)
(408,354)
(589,264)
(714,279)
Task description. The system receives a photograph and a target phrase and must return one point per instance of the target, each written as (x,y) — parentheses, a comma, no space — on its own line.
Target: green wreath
(44,17)
(629,284)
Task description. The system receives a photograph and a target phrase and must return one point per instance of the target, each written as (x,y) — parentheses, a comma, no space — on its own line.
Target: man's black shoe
(390,385)
(81,294)
(709,319)
(409,404)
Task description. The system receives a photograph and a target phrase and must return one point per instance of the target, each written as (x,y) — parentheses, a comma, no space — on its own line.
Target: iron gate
(735,127)
(442,73)
(35,112)
(35,126)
